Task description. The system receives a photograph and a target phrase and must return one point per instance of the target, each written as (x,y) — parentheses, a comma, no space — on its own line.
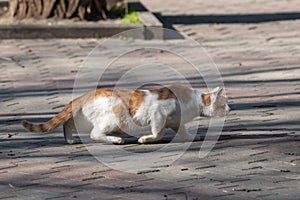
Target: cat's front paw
(142,140)
(115,140)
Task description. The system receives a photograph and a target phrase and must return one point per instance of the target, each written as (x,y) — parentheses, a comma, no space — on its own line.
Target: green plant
(131,17)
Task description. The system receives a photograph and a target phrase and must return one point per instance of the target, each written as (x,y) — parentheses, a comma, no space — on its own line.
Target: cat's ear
(217,91)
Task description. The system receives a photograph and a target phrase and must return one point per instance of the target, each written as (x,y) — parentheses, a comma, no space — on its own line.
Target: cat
(106,112)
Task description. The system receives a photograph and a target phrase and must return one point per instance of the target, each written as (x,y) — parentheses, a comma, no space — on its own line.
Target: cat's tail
(53,123)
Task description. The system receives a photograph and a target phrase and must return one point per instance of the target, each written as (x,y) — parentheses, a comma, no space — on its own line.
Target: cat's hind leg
(101,136)
(68,128)
(152,138)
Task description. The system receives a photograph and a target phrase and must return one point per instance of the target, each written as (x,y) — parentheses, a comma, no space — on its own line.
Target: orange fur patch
(182,93)
(206,99)
(120,113)
(135,101)
(132,99)
(179,92)
(103,92)
(164,93)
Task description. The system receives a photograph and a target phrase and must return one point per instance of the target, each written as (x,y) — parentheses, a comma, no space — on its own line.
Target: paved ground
(256,157)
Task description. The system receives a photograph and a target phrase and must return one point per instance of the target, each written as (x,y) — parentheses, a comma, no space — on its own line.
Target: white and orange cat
(106,112)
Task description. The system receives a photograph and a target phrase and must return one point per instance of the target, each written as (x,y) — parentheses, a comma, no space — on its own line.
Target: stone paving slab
(257,156)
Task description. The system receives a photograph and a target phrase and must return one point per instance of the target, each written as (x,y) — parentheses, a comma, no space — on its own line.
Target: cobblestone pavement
(257,156)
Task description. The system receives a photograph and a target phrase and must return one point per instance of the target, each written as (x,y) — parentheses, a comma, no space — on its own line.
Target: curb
(41,31)
(78,30)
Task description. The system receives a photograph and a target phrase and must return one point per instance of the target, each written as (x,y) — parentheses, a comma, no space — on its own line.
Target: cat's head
(215,103)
